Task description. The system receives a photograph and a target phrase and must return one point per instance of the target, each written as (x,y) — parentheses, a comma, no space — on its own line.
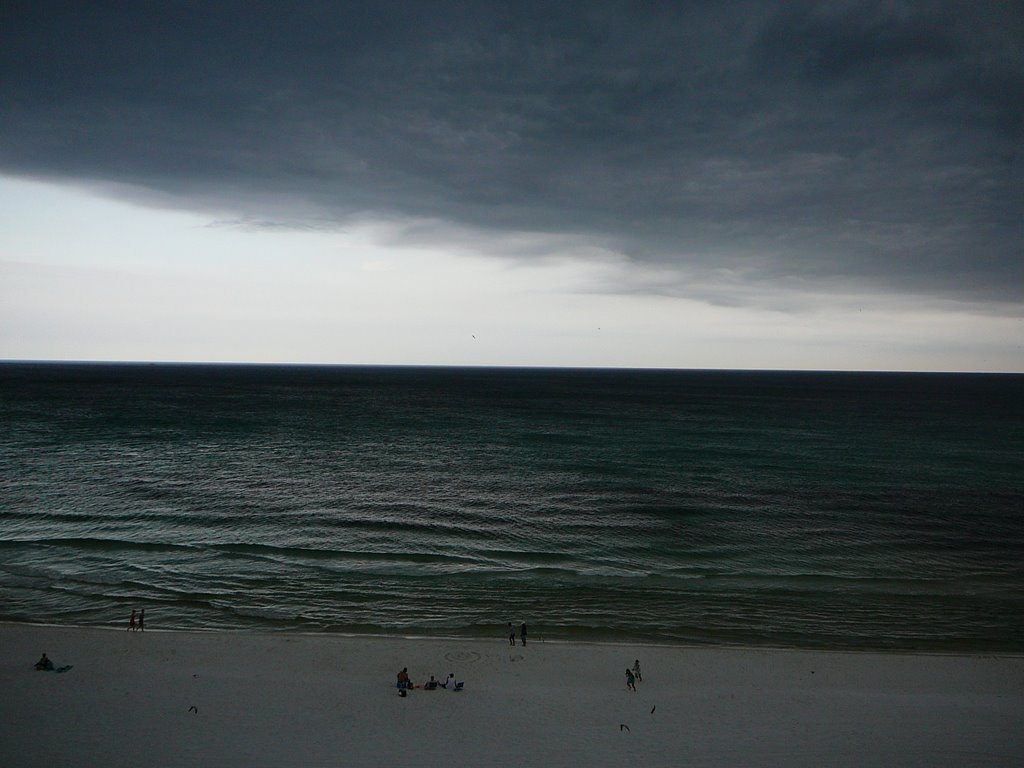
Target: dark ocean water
(823,510)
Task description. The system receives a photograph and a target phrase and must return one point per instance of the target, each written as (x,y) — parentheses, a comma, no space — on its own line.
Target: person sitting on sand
(450,684)
(44,664)
(431,684)
(403,679)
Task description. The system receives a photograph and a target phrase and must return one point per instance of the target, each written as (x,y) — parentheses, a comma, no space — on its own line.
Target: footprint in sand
(462,657)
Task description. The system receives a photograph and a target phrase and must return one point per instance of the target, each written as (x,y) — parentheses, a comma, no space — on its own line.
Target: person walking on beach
(131,622)
(522,633)
(630,681)
(142,620)
(636,670)
(511,634)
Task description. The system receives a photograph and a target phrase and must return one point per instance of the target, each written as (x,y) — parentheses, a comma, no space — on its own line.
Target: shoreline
(175,697)
(499,639)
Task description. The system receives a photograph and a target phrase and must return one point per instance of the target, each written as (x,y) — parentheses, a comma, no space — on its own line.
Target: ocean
(784,509)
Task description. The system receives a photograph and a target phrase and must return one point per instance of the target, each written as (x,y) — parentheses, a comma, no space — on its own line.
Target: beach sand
(235,699)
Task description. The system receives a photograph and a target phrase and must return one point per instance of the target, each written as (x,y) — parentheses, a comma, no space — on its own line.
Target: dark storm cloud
(843,144)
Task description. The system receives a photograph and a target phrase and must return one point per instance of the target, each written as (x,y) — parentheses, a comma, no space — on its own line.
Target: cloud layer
(857,145)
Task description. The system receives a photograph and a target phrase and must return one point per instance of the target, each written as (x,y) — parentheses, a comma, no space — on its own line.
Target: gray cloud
(874,143)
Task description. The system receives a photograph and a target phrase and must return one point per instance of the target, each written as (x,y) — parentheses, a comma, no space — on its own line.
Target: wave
(94,543)
(287,552)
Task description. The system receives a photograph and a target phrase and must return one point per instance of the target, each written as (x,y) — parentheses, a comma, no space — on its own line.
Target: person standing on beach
(403,679)
(636,670)
(511,634)
(630,681)
(131,622)
(142,620)
(522,632)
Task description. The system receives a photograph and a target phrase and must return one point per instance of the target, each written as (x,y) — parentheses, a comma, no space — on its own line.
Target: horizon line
(491,367)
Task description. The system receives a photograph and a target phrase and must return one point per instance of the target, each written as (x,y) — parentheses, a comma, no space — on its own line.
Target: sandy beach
(233,699)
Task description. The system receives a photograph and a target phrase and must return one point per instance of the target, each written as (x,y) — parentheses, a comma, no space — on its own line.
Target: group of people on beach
(405,684)
(137,621)
(633,675)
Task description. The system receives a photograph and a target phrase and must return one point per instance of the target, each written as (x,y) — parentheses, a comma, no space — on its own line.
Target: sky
(754,185)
